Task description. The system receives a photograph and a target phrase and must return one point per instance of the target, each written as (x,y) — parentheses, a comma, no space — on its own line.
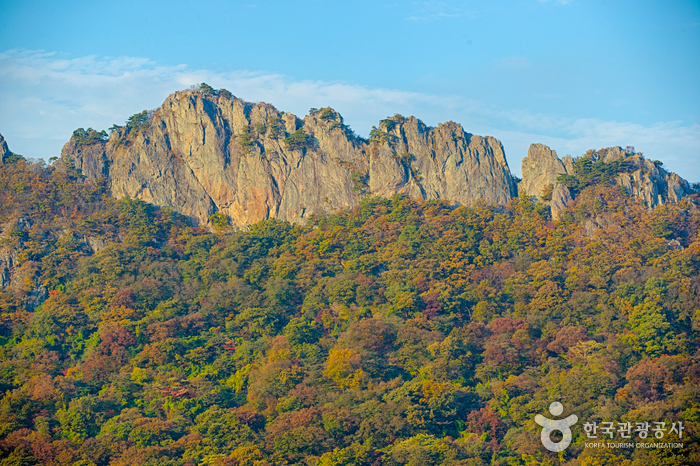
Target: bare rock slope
(206,152)
(202,153)
(541,168)
(4,150)
(643,179)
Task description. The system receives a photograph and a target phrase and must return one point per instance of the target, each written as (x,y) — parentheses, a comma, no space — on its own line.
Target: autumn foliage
(398,332)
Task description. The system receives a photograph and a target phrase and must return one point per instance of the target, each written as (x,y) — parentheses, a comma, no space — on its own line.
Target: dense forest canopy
(396,333)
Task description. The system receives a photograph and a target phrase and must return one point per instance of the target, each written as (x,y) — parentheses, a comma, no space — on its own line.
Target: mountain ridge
(549,178)
(253,162)
(204,152)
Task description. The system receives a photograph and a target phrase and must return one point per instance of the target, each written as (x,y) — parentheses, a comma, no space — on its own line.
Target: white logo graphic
(550,425)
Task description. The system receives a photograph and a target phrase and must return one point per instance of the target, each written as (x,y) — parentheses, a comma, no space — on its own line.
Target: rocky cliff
(541,168)
(200,153)
(643,179)
(4,150)
(648,180)
(207,151)
(17,273)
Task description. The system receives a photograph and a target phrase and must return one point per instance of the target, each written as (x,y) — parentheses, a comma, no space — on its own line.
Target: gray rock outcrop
(644,179)
(4,150)
(541,168)
(203,153)
(15,274)
(652,183)
(561,196)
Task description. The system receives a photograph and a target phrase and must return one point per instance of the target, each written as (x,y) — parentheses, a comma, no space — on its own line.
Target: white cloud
(674,143)
(44,97)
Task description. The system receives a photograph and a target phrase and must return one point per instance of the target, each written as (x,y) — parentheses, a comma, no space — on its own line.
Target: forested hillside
(400,332)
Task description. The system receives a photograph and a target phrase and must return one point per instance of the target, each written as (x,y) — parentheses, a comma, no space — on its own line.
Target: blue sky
(572,74)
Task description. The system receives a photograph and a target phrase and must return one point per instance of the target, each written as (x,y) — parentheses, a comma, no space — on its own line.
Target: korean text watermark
(601,434)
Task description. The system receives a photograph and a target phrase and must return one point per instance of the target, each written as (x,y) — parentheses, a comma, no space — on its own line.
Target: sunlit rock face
(541,168)
(201,154)
(643,179)
(204,153)
(4,150)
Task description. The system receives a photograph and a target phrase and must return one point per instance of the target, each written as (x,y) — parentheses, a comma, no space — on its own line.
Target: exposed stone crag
(541,168)
(204,153)
(643,179)
(16,274)
(653,184)
(4,150)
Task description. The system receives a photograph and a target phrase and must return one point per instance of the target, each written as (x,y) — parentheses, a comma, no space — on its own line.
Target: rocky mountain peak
(642,178)
(200,153)
(541,168)
(205,151)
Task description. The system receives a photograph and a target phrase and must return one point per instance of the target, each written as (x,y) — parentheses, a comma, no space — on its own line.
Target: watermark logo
(651,433)
(550,425)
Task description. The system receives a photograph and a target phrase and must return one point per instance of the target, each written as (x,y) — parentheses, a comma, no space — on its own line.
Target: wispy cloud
(675,143)
(431,11)
(45,96)
(595,133)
